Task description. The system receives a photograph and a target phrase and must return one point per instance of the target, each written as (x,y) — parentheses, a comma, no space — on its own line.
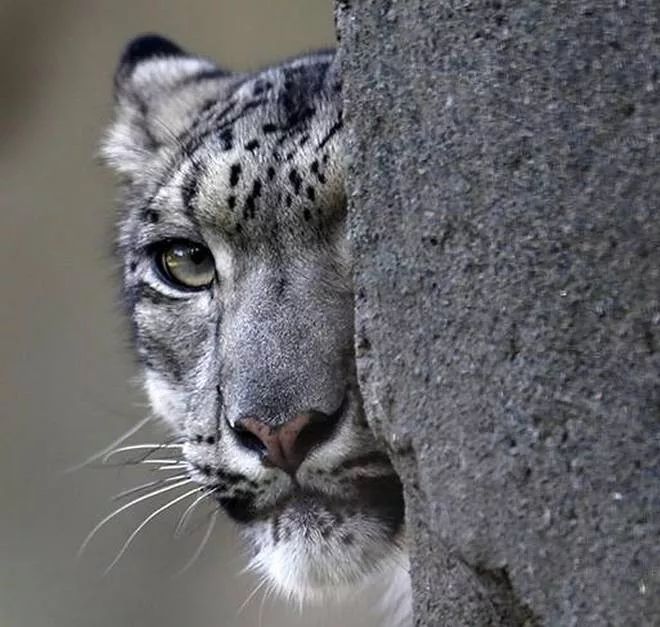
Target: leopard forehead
(251,158)
(274,162)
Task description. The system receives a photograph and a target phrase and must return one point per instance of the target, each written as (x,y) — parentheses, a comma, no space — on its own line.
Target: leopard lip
(379,498)
(383,492)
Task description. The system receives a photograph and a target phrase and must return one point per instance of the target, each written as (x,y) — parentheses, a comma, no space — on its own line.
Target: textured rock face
(504,197)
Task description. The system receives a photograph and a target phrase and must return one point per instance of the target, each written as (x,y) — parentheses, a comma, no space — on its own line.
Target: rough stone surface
(504,189)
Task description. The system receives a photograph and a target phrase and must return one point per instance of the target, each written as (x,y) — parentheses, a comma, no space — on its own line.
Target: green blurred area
(66,370)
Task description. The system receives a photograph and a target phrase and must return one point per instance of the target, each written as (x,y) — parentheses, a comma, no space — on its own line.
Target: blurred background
(67,379)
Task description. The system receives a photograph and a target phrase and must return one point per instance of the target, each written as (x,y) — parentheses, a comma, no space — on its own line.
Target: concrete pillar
(504,179)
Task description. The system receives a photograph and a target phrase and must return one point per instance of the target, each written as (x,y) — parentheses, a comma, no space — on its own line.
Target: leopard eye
(185,264)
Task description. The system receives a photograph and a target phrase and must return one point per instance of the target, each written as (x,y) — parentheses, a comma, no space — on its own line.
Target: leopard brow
(149,236)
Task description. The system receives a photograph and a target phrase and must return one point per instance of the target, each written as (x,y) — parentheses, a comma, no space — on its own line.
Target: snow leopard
(236,278)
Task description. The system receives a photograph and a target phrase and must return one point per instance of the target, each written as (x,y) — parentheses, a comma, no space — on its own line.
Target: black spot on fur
(252,145)
(190,188)
(151,215)
(317,173)
(231,202)
(269,127)
(311,194)
(250,201)
(256,188)
(307,214)
(270,172)
(296,116)
(226,138)
(261,87)
(295,179)
(335,128)
(235,174)
(288,200)
(299,82)
(133,266)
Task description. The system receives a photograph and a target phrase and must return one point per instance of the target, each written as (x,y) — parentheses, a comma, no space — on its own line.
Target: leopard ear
(158,90)
(144,48)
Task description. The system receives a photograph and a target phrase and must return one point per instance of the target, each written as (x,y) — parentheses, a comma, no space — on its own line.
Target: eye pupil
(185,264)
(198,256)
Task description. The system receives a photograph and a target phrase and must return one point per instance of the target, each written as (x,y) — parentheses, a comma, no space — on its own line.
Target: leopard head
(236,275)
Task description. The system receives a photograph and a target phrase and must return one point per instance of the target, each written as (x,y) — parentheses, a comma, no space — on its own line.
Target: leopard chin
(314,549)
(313,545)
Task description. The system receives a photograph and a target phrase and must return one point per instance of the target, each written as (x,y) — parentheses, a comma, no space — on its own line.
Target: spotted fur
(250,166)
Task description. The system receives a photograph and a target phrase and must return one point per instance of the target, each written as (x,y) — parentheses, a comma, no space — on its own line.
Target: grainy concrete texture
(503,184)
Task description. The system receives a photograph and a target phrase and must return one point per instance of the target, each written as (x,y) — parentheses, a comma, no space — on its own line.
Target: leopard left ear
(158,90)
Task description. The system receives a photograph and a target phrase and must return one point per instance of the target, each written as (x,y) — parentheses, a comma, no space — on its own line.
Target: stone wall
(503,184)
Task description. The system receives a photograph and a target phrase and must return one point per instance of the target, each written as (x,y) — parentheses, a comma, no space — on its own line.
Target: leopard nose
(286,445)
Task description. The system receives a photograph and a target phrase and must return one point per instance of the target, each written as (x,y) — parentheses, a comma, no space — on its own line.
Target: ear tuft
(143,47)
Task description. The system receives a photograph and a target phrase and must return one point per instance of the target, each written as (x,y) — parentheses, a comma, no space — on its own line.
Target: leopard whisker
(183,520)
(169,467)
(150,484)
(145,522)
(123,508)
(152,448)
(268,592)
(251,595)
(169,463)
(202,544)
(152,462)
(122,438)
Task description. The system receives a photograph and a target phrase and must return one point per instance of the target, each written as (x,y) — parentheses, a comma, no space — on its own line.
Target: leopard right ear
(158,89)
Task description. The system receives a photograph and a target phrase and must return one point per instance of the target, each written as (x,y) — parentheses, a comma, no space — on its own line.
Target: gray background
(66,370)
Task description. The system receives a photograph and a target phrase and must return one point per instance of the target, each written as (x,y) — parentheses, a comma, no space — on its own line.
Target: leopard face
(237,280)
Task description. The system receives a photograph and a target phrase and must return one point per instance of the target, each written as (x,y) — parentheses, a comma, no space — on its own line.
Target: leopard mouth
(380,494)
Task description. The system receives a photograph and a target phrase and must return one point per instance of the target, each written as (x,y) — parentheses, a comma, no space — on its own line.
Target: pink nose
(286,445)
